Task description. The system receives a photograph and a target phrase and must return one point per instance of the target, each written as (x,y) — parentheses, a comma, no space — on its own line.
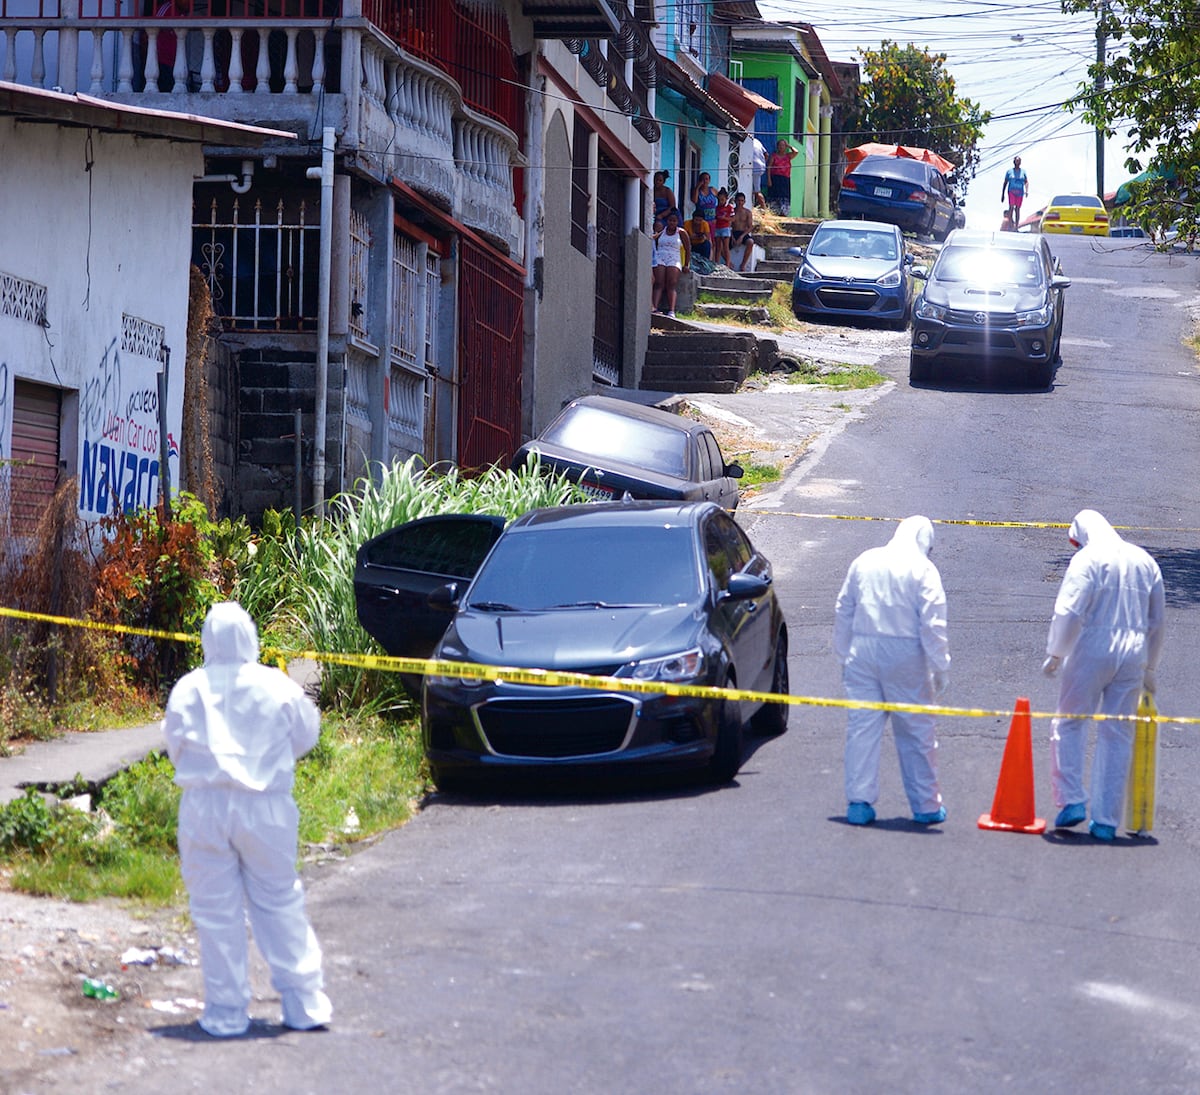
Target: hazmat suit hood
(916,532)
(1090,527)
(229,636)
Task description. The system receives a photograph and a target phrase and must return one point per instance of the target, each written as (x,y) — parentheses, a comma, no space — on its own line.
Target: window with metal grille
(360,256)
(260,257)
(416,278)
(580,198)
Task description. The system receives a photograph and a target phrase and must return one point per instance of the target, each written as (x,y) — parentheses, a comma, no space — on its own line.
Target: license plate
(596,492)
(883,192)
(1077,228)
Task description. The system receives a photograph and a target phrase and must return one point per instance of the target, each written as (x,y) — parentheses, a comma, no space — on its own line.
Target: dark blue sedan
(649,592)
(911,194)
(855,269)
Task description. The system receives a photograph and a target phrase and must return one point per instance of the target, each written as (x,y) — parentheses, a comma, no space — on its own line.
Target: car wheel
(919,370)
(771,719)
(1043,375)
(727,756)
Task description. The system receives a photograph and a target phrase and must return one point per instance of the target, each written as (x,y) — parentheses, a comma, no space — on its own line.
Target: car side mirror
(444,598)
(797,251)
(744,587)
(734,471)
(1060,281)
(920,272)
(909,260)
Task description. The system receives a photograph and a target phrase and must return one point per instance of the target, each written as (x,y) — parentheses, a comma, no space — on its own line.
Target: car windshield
(589,567)
(850,243)
(606,436)
(893,167)
(988,266)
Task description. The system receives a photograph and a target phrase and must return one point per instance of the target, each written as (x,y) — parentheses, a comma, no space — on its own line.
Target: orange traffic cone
(1012,808)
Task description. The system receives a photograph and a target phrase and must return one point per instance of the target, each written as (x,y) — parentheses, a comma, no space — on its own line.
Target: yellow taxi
(1076,215)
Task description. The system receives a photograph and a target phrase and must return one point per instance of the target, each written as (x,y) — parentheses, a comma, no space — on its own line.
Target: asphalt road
(745,939)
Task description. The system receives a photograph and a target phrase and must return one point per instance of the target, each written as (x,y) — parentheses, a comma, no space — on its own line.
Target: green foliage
(755,475)
(908,97)
(316,565)
(26,823)
(1147,87)
(143,801)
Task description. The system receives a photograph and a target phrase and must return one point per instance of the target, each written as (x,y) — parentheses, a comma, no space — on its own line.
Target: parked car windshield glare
(852,244)
(988,266)
(551,568)
(628,440)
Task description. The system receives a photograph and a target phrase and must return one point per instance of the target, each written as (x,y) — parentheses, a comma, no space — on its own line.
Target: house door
(766,123)
(610,274)
(491,327)
(37,413)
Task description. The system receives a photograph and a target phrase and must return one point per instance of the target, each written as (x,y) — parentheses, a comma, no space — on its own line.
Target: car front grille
(862,300)
(994,319)
(581,726)
(982,336)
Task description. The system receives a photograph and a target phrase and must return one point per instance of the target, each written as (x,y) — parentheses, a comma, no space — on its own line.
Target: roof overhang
(737,100)
(571,18)
(31,104)
(678,80)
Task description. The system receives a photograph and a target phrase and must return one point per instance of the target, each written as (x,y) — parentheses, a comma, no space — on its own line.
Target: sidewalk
(96,755)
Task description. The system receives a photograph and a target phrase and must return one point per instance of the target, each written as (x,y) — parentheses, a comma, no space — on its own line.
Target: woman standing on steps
(672,252)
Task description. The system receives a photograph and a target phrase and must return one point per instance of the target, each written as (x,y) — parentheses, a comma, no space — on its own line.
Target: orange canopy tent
(860,152)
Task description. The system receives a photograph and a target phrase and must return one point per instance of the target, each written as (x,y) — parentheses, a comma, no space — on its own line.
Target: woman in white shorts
(672,252)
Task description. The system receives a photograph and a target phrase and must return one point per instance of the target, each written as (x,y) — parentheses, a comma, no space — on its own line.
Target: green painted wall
(793,84)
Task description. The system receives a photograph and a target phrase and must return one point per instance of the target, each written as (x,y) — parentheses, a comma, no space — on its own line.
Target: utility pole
(1101,45)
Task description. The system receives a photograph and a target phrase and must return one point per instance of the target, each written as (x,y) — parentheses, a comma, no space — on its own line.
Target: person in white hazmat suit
(890,636)
(234,730)
(1107,634)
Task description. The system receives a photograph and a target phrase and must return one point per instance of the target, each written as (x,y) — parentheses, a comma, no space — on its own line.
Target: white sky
(1030,76)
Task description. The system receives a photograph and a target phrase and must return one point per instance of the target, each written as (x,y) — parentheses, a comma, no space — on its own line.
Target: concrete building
(96,225)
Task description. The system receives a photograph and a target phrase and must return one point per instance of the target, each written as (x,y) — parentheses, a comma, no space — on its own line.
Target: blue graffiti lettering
(111,475)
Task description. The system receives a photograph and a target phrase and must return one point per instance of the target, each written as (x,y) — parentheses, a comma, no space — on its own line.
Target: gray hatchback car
(992,299)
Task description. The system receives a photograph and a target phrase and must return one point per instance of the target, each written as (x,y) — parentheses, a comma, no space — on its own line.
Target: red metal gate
(491,325)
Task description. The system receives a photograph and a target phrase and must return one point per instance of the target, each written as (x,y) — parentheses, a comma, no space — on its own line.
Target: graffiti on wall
(119,423)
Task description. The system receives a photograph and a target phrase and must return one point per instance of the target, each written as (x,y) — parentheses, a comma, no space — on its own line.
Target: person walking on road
(890,636)
(1013,190)
(234,730)
(1107,634)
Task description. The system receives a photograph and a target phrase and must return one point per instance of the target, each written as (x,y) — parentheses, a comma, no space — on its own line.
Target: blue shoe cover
(1107,833)
(1071,814)
(935,818)
(860,813)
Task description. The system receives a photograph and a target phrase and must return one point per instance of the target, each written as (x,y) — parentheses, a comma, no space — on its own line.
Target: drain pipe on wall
(325,174)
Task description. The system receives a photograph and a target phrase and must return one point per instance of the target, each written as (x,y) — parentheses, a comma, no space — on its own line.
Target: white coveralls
(890,635)
(1108,626)
(234,729)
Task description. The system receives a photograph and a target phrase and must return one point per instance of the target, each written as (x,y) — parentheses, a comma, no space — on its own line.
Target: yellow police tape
(951,521)
(553,678)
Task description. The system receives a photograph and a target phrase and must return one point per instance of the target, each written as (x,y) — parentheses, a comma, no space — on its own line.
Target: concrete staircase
(682,359)
(779,265)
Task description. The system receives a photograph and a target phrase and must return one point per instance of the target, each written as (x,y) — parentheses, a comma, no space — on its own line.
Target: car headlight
(1039,317)
(439,680)
(889,280)
(926,309)
(808,273)
(686,666)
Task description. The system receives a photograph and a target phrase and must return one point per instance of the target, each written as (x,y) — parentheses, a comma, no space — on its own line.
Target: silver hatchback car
(992,299)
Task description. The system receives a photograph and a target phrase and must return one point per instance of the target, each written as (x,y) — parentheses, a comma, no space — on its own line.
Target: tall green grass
(306,593)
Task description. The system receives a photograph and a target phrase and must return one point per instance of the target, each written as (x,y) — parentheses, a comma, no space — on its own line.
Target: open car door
(395,572)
